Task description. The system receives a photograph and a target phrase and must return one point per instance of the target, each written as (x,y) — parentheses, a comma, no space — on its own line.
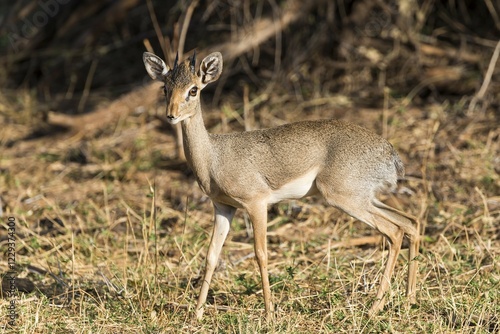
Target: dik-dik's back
(345,153)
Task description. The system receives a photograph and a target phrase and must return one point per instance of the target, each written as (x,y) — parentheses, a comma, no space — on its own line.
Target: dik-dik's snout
(173,114)
(172,119)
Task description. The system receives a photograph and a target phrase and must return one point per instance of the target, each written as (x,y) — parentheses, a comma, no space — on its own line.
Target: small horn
(176,59)
(192,62)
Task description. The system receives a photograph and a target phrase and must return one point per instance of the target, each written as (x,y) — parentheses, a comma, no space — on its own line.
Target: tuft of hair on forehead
(181,75)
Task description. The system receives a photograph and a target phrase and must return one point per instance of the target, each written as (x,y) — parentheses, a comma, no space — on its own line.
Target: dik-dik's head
(182,84)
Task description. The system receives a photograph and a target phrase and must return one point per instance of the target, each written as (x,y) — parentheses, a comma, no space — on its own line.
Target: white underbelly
(295,189)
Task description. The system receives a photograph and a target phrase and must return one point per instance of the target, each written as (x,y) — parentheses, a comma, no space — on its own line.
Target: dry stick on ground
(356,242)
(146,96)
(487,79)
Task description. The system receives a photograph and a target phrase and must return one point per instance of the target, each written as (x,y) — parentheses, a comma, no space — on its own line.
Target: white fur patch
(300,187)
(174,121)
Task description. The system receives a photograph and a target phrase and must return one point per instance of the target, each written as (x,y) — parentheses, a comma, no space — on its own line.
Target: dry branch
(260,31)
(487,79)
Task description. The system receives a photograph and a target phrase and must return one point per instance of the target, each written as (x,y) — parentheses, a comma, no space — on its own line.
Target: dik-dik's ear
(210,68)
(157,69)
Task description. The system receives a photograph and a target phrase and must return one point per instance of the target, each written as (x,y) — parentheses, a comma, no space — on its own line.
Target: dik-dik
(342,162)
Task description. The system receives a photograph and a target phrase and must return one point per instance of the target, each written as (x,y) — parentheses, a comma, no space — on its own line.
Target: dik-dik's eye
(193,91)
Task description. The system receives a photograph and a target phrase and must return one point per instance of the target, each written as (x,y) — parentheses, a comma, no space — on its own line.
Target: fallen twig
(487,79)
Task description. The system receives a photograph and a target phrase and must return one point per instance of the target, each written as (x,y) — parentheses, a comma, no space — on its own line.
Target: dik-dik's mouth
(173,120)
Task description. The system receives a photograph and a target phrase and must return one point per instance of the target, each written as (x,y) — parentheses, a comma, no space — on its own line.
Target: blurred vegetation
(423,49)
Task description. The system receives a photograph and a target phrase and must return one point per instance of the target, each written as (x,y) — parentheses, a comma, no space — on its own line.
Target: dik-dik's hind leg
(391,225)
(223,216)
(411,227)
(395,238)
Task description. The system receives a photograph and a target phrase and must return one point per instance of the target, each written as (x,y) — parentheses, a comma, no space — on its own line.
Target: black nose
(170,117)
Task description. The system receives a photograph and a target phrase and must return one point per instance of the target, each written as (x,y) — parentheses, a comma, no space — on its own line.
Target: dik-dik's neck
(198,149)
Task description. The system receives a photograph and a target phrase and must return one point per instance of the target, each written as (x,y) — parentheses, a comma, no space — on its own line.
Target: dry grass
(112,230)
(124,229)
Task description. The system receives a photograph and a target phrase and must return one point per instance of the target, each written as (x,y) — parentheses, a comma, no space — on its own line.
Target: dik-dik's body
(344,163)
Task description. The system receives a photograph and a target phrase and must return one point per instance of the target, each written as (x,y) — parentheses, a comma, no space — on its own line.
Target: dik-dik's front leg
(223,216)
(258,216)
